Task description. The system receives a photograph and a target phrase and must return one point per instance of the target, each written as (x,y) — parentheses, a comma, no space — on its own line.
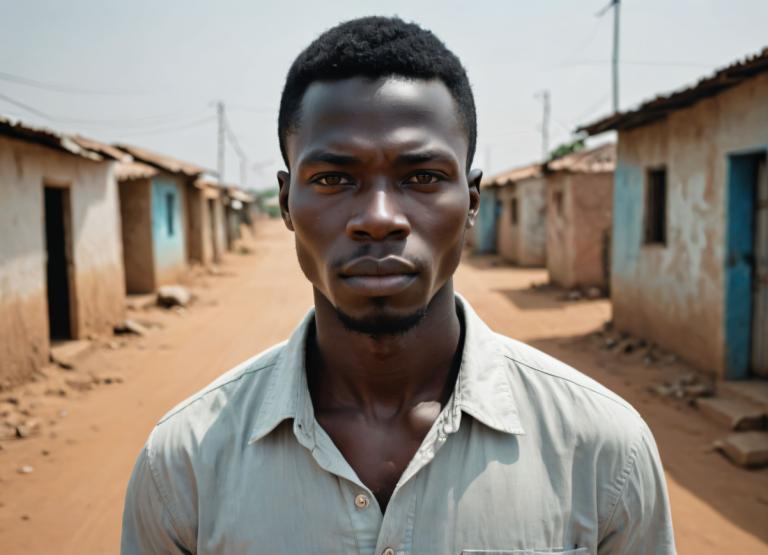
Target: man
(393,420)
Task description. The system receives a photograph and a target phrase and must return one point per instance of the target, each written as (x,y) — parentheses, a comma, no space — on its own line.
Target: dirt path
(72,501)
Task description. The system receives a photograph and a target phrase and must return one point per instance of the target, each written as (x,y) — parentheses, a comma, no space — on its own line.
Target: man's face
(378,195)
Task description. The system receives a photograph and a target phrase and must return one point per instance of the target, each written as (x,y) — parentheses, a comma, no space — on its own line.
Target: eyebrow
(422,157)
(332,158)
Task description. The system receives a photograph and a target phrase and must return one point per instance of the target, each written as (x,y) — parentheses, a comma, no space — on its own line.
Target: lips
(378,277)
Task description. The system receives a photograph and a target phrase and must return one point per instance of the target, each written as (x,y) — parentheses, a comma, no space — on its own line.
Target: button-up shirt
(528,456)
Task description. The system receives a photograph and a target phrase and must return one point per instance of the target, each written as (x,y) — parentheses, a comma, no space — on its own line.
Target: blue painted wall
(628,188)
(738,265)
(486,222)
(169,245)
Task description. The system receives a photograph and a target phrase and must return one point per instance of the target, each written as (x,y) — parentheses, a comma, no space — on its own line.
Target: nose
(380,218)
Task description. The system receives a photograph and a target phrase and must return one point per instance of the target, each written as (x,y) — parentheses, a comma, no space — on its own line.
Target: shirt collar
(483,389)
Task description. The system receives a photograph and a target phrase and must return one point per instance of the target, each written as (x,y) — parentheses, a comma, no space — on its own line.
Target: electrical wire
(57,87)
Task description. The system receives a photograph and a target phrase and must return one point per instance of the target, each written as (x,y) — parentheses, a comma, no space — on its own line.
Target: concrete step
(754,390)
(747,449)
(65,353)
(735,413)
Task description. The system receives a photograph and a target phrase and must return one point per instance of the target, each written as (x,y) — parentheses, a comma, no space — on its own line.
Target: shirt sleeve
(148,525)
(641,522)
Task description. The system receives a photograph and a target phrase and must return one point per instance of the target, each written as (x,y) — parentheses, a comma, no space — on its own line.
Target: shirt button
(362,501)
(388,551)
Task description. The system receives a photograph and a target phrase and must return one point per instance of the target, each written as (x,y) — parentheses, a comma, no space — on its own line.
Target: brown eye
(423,179)
(332,180)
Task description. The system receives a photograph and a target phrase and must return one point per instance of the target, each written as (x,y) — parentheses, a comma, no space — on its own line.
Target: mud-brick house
(522,221)
(207,218)
(61,266)
(579,188)
(157,194)
(238,212)
(690,229)
(485,230)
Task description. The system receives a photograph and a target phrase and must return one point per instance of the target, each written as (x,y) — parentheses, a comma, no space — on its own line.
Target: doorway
(58,263)
(213,227)
(746,296)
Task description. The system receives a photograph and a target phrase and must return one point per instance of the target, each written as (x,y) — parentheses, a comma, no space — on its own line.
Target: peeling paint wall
(98,287)
(673,294)
(578,218)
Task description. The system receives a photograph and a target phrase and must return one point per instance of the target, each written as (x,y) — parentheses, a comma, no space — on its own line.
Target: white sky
(146,71)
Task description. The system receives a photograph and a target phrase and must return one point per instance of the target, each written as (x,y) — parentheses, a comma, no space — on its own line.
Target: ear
(473,180)
(284,182)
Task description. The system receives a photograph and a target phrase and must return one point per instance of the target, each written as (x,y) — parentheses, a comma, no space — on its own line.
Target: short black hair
(376,47)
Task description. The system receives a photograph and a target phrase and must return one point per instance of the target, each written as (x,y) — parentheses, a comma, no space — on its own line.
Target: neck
(383,375)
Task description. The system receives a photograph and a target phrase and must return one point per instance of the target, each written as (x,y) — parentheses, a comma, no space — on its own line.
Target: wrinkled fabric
(528,456)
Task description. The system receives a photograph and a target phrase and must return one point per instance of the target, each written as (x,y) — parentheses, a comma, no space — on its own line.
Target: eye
(423,178)
(332,180)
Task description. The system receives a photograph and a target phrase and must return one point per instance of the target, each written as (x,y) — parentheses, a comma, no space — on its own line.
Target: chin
(382,321)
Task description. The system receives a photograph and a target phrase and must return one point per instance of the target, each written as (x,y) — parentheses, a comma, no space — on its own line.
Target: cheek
(315,227)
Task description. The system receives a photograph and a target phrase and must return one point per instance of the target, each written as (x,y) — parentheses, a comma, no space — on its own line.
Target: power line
(197,123)
(152,122)
(58,87)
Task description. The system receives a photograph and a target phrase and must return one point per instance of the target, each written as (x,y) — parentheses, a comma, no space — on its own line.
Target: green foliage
(565,149)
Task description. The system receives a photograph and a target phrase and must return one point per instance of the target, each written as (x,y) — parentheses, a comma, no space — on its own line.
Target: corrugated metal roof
(126,171)
(510,176)
(659,107)
(595,160)
(167,163)
(72,144)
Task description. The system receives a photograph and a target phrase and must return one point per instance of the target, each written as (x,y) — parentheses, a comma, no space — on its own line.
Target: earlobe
(284,183)
(474,177)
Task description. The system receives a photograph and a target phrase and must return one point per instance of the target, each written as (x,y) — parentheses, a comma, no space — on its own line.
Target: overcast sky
(146,72)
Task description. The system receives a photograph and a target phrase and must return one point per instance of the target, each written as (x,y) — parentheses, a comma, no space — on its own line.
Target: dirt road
(71,501)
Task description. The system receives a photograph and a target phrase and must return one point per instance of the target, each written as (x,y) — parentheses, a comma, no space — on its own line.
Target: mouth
(378,277)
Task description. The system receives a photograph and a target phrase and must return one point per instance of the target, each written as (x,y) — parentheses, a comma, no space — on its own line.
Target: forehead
(384,113)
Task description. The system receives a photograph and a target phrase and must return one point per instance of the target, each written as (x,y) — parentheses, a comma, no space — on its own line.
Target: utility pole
(616,5)
(222,138)
(544,95)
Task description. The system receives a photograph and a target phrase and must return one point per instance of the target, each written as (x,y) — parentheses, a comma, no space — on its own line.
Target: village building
(163,216)
(238,212)
(521,229)
(485,232)
(690,227)
(61,267)
(207,217)
(578,197)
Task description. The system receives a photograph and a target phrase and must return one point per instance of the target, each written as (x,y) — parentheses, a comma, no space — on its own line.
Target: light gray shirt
(528,456)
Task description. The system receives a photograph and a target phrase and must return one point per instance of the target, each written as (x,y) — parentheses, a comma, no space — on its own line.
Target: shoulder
(218,413)
(587,423)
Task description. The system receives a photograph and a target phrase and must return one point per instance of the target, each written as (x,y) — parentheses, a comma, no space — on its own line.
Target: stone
(173,295)
(67,352)
(747,449)
(594,293)
(734,413)
(755,390)
(26,469)
(131,327)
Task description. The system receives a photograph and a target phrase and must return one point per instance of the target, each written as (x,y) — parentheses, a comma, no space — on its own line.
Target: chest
(473,495)
(378,451)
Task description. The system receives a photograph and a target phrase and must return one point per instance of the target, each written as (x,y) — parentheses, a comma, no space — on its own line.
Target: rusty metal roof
(127,171)
(595,160)
(163,162)
(72,144)
(510,176)
(239,194)
(659,107)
